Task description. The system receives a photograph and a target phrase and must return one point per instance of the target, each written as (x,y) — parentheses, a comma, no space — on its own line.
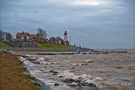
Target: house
(24,36)
(27,39)
(56,40)
(33,37)
(7,36)
(24,39)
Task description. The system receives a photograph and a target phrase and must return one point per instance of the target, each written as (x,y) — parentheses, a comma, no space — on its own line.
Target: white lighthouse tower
(66,38)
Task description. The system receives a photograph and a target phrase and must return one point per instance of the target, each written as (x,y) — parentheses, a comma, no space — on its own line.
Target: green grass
(3,45)
(12,75)
(46,45)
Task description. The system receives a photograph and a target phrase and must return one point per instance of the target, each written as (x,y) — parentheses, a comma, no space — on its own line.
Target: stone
(53,72)
(56,84)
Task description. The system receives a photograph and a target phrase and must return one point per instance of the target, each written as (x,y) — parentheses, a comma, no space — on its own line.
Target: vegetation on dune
(12,74)
(3,45)
(47,45)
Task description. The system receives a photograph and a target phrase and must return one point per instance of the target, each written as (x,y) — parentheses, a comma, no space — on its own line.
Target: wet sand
(113,71)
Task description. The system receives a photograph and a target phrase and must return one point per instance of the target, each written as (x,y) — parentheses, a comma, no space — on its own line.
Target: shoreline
(121,62)
(39,63)
(63,51)
(49,84)
(13,75)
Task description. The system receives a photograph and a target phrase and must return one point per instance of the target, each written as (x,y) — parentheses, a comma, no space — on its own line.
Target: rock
(26,57)
(72,84)
(34,61)
(61,76)
(56,84)
(78,83)
(31,59)
(88,84)
(68,80)
(53,72)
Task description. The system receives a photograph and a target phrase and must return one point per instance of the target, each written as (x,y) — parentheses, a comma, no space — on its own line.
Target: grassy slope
(46,45)
(40,45)
(11,74)
(3,45)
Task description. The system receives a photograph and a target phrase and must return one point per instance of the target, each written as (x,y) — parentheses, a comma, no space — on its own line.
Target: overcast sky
(90,23)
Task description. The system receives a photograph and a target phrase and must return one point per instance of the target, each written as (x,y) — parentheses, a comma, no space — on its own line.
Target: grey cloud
(106,25)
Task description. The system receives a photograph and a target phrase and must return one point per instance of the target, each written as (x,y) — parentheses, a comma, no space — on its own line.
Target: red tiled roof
(30,36)
(33,35)
(22,34)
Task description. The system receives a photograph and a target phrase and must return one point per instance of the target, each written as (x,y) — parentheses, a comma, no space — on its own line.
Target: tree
(42,34)
(9,36)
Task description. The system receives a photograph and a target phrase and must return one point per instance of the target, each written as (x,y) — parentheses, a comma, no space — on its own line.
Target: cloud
(102,23)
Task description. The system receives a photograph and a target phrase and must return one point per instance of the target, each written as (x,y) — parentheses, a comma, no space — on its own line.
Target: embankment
(12,74)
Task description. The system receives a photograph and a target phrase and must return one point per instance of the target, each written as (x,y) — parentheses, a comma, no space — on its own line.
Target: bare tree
(42,34)
(45,34)
(9,36)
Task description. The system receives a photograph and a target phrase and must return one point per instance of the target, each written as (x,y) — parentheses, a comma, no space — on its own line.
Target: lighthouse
(66,38)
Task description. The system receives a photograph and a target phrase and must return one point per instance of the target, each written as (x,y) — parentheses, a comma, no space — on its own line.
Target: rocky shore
(113,71)
(67,80)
